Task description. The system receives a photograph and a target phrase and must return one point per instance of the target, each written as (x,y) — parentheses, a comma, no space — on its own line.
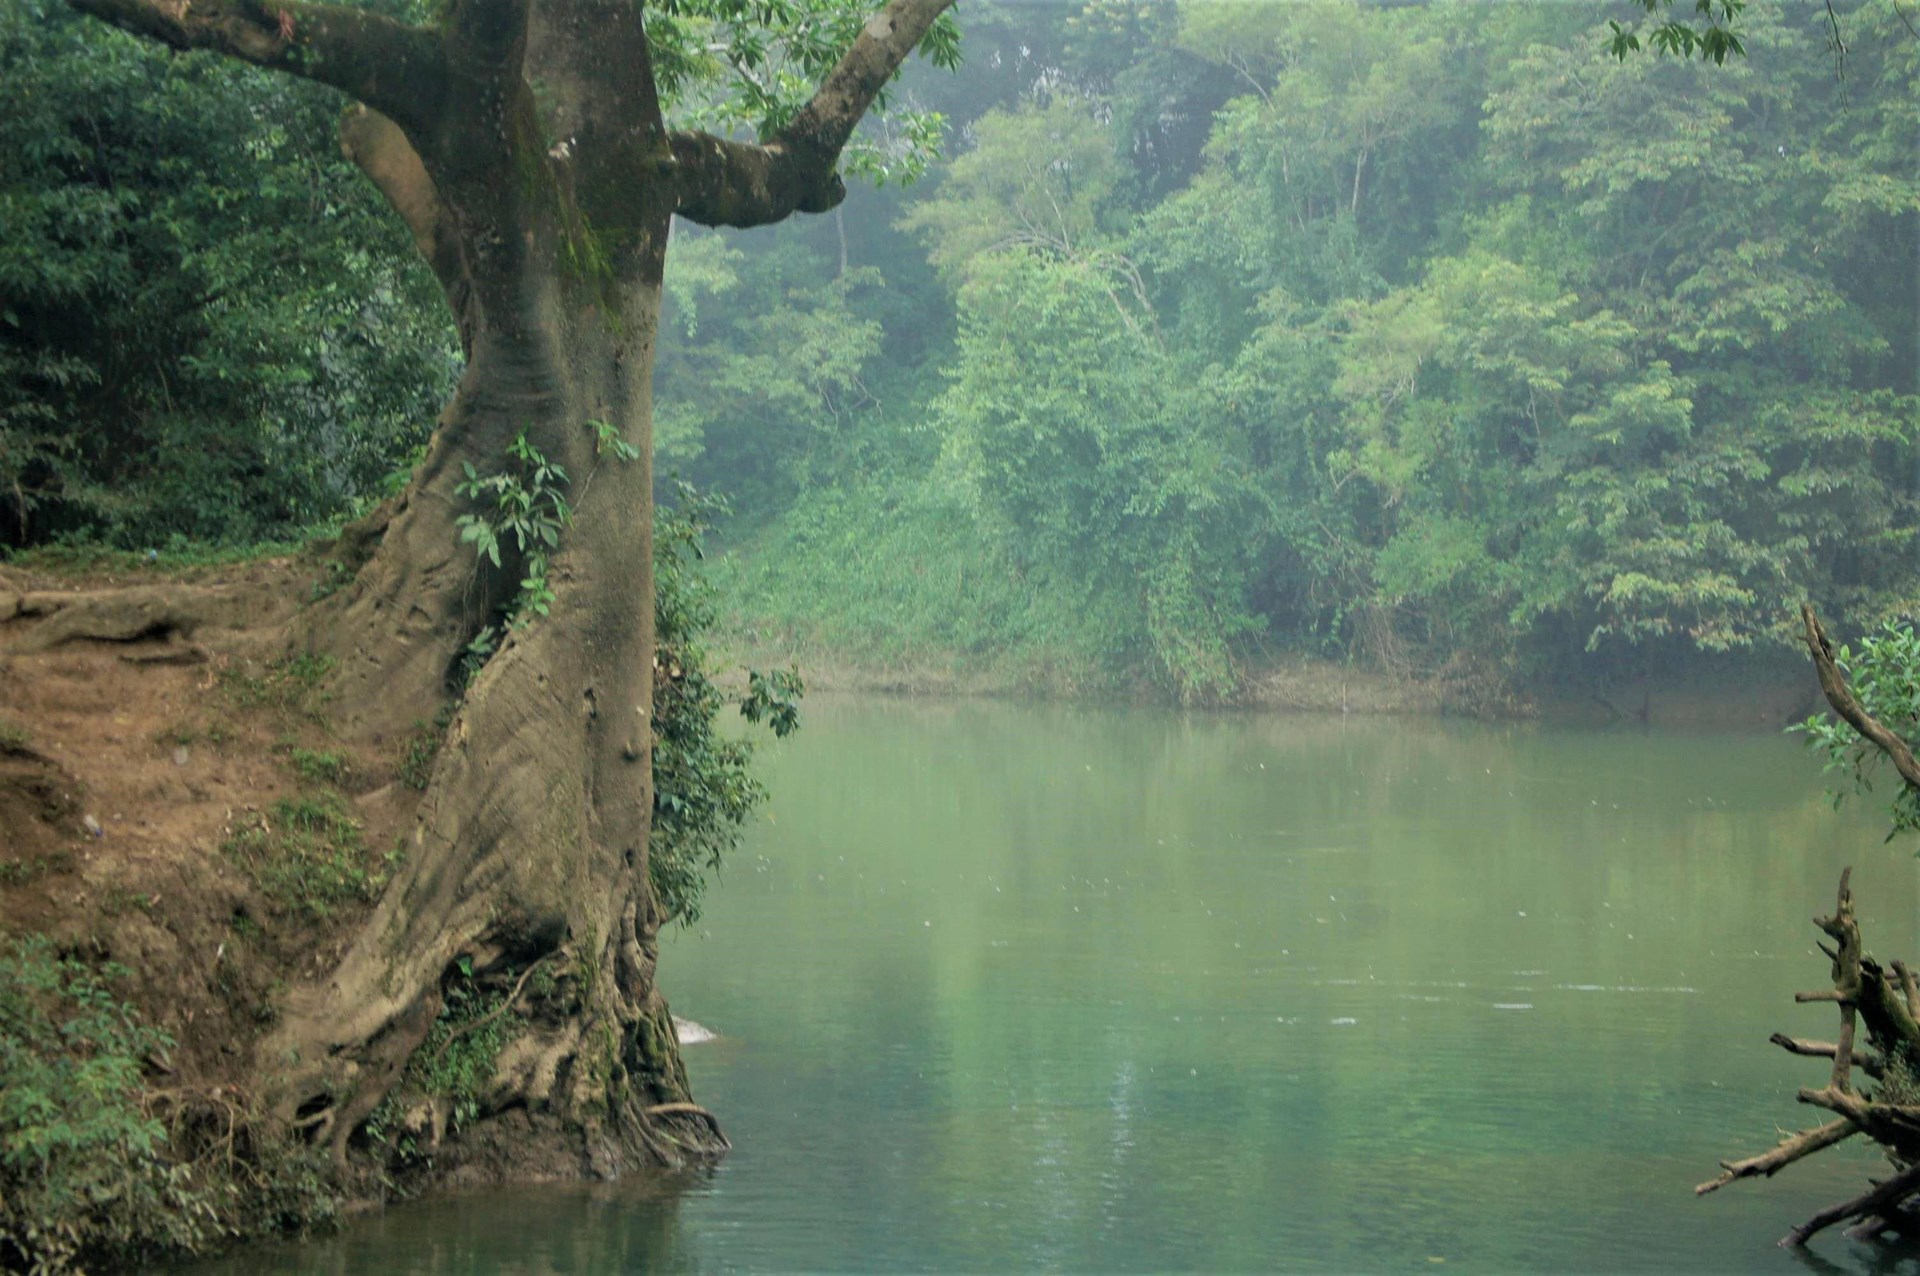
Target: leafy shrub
(703,785)
(82,1166)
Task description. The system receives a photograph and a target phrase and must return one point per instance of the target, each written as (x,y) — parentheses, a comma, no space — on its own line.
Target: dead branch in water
(1869,1000)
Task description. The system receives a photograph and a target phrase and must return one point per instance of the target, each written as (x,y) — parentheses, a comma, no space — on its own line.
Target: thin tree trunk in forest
(546,225)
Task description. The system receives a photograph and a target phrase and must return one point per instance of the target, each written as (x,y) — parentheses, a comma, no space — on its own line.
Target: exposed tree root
(493,1014)
(120,615)
(692,1110)
(35,620)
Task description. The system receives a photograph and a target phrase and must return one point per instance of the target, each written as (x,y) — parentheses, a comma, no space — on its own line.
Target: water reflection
(1011,989)
(536,1230)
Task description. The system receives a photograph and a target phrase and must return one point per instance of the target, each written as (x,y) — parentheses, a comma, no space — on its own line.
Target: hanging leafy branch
(1711,34)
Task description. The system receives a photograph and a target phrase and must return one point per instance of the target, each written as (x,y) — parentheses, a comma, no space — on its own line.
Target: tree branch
(376,144)
(825,123)
(397,69)
(1827,1050)
(1785,1153)
(1884,1197)
(1833,685)
(727,183)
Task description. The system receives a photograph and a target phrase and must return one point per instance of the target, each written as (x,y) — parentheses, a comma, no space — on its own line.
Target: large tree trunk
(547,227)
(531,842)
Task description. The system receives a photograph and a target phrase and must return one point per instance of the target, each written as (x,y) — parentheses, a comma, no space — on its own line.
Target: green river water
(1005,989)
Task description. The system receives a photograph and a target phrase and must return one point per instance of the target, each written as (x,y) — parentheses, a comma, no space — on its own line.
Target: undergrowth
(99,1172)
(893,574)
(83,1170)
(307,854)
(32,869)
(289,687)
(13,736)
(451,1068)
(176,557)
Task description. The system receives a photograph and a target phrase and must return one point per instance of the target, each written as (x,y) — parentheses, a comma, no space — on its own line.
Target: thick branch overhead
(724,183)
(395,68)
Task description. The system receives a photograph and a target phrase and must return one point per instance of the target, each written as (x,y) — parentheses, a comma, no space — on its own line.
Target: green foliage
(703,785)
(774,698)
(306,853)
(607,441)
(318,766)
(213,330)
(730,65)
(1712,35)
(1089,453)
(763,395)
(455,1062)
(1040,177)
(1885,676)
(1518,358)
(895,572)
(452,1066)
(83,1168)
(526,502)
(291,687)
(13,736)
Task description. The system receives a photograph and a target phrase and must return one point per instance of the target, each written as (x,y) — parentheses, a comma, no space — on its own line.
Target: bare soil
(125,768)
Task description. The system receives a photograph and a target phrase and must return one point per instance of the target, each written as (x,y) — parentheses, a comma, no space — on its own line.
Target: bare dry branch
(1785,1153)
(1866,996)
(1908,986)
(1867,1063)
(1885,1196)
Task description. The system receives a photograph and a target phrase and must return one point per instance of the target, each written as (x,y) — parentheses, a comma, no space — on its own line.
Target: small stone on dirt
(181,755)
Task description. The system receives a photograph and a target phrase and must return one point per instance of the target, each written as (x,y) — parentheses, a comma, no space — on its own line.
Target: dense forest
(1425,337)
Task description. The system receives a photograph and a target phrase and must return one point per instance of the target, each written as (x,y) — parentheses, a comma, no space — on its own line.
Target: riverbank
(1769,690)
(189,841)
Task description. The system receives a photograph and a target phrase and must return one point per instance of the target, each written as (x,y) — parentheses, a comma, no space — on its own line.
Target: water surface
(1005,988)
